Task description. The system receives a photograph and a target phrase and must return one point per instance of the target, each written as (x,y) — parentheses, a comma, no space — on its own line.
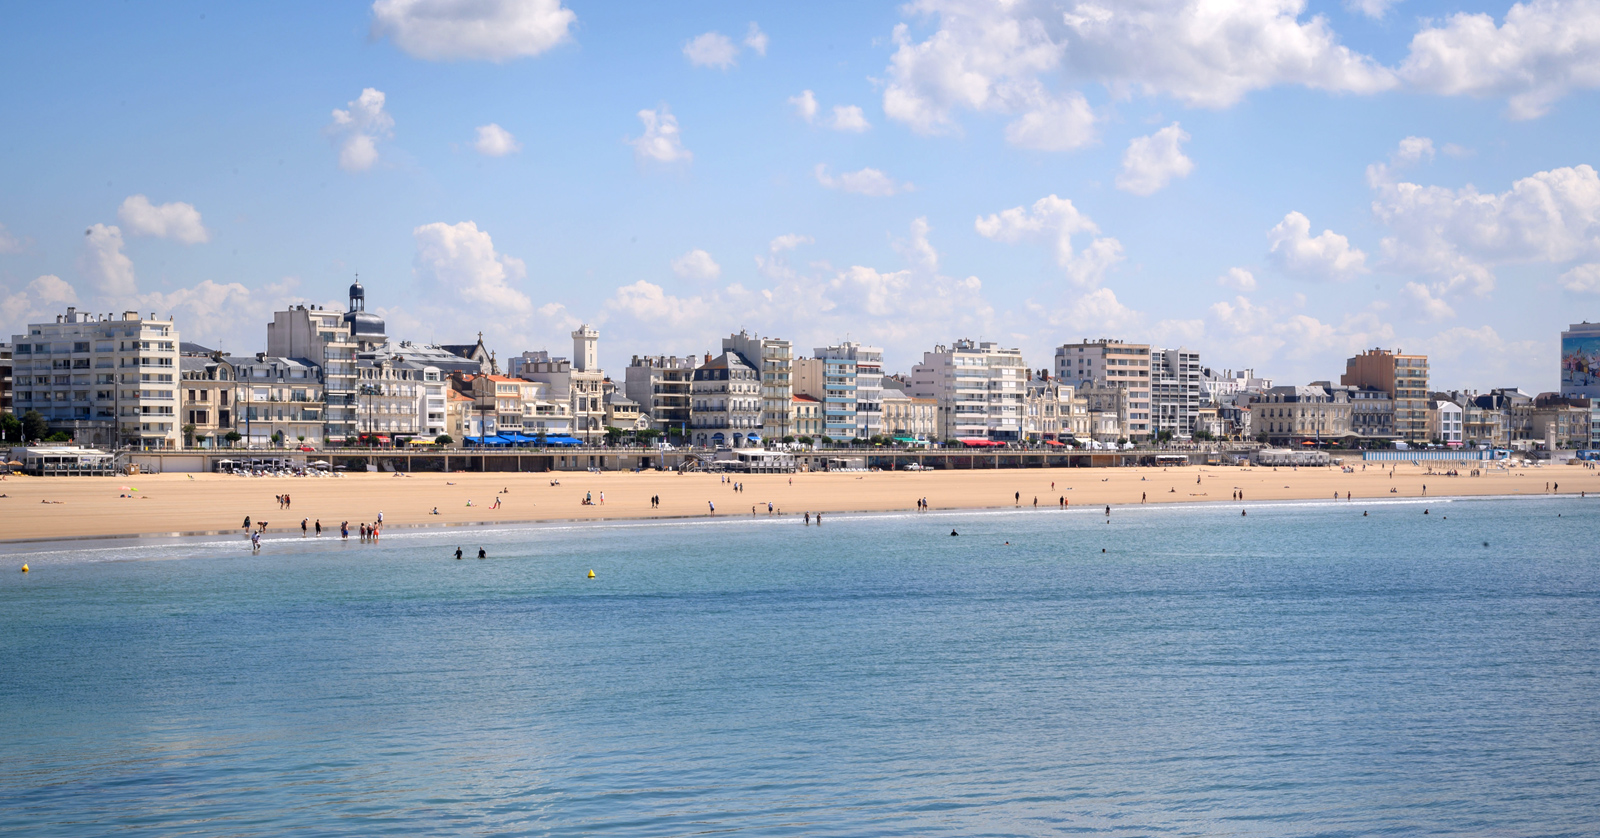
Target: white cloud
(485,30)
(805,105)
(1414,149)
(104,263)
(1327,256)
(755,39)
(1150,162)
(494,141)
(8,242)
(713,49)
(210,312)
(1463,354)
(1425,303)
(1250,330)
(358,130)
(789,241)
(177,220)
(1059,123)
(848,118)
(1584,279)
(660,140)
(696,264)
(1461,235)
(458,262)
(1055,221)
(871,182)
(1374,9)
(1238,279)
(1021,58)
(1542,51)
(918,250)
(43,297)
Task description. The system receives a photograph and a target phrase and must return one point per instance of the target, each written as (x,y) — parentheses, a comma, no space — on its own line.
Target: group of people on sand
(367,532)
(283,501)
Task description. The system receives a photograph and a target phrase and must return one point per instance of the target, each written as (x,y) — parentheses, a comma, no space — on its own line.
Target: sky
(1278,184)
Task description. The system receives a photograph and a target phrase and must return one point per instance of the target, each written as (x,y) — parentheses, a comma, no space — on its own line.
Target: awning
(489,440)
(752,437)
(980,443)
(561,439)
(905,439)
(1056,444)
(516,438)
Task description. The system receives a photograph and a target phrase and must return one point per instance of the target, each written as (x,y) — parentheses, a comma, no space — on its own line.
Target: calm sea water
(1300,671)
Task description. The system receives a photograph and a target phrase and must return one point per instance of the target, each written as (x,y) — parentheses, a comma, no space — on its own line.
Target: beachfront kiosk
(63,461)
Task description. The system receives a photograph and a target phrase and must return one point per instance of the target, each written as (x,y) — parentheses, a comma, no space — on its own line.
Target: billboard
(1580,365)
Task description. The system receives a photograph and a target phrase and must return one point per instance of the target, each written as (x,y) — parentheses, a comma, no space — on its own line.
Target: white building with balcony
(978,387)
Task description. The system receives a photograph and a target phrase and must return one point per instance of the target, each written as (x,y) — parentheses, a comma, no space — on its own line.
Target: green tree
(277,437)
(34,426)
(10,427)
(444,439)
(649,434)
(232,437)
(59,436)
(188,436)
(1164,436)
(787,440)
(613,435)
(805,440)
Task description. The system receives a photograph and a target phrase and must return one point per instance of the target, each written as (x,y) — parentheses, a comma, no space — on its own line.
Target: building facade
(277,401)
(727,403)
(907,418)
(1580,360)
(1293,415)
(866,364)
(323,338)
(207,384)
(660,384)
(1404,378)
(1119,364)
(1175,391)
(978,387)
(774,358)
(107,381)
(807,415)
(579,382)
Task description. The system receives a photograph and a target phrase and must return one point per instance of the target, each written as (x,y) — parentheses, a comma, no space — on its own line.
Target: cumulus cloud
(1150,162)
(1055,221)
(1374,9)
(483,30)
(755,39)
(358,130)
(178,221)
(713,49)
(1326,256)
(848,118)
(696,264)
(8,242)
(459,262)
(660,141)
(1275,330)
(104,263)
(43,297)
(1022,58)
(870,182)
(789,241)
(1460,235)
(1423,301)
(805,104)
(210,312)
(494,141)
(1584,279)
(1238,279)
(1542,51)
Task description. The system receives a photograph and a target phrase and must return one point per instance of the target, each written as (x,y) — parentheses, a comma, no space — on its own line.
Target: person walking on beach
(1142,497)
(287,503)
(319,528)
(344,530)
(713,507)
(255,542)
(1017,498)
(303,524)
(380,516)
(247,524)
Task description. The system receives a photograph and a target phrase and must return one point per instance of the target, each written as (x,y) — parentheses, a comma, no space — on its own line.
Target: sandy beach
(66,507)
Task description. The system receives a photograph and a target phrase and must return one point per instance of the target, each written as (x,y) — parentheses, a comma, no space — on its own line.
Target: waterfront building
(462,419)
(906,417)
(727,403)
(276,396)
(5,377)
(832,381)
(366,330)
(323,338)
(1175,391)
(1107,407)
(978,387)
(623,412)
(774,358)
(1119,364)
(1566,419)
(1220,388)
(207,381)
(1371,412)
(807,414)
(866,374)
(1404,378)
(107,381)
(1580,360)
(660,385)
(1292,415)
(1053,410)
(1446,423)
(578,382)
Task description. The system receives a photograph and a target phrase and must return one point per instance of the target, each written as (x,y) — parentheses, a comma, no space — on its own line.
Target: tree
(1261,437)
(787,440)
(188,436)
(649,435)
(34,426)
(444,439)
(59,436)
(805,440)
(613,435)
(301,437)
(232,437)
(277,437)
(827,440)
(1164,436)
(1204,436)
(10,427)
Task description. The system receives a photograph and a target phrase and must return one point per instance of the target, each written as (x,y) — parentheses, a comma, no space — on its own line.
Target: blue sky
(1278,184)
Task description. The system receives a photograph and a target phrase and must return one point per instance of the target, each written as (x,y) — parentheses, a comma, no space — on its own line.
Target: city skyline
(902,176)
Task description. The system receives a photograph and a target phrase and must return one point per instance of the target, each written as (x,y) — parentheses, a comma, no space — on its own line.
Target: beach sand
(67,507)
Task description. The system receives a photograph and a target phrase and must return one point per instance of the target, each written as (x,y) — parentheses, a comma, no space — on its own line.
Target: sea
(1420,667)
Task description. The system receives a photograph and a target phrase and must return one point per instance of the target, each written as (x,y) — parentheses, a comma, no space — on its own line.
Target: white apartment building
(1445,421)
(322,338)
(397,396)
(1122,365)
(866,364)
(774,359)
(277,397)
(1175,391)
(579,382)
(1054,411)
(107,381)
(727,403)
(978,387)
(660,385)
(1221,388)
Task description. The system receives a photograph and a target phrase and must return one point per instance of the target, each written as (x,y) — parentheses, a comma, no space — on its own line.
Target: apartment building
(1053,411)
(323,339)
(832,381)
(1580,360)
(1404,378)
(866,363)
(1292,415)
(105,380)
(660,384)
(728,403)
(1175,391)
(807,416)
(580,382)
(907,418)
(1445,422)
(774,359)
(207,382)
(1119,364)
(979,389)
(5,377)
(277,397)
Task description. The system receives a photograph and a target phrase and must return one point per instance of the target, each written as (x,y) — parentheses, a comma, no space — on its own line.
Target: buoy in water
(591,574)
(24,568)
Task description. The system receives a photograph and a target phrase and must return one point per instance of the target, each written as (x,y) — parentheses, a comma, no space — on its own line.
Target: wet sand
(179,503)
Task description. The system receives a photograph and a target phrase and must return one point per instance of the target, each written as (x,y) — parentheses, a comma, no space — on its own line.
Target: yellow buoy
(25,570)
(591,574)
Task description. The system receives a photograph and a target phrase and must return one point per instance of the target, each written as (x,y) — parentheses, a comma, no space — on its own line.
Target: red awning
(974,443)
(1053,442)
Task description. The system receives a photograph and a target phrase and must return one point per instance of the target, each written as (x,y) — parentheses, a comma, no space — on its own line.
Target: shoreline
(46,511)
